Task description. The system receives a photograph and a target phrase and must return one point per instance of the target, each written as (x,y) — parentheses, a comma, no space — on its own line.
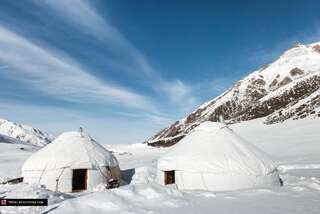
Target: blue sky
(126,69)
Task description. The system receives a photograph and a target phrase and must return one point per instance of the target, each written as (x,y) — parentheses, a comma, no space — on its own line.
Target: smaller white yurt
(72,162)
(212,157)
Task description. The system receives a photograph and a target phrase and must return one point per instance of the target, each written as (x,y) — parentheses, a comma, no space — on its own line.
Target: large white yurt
(213,157)
(72,162)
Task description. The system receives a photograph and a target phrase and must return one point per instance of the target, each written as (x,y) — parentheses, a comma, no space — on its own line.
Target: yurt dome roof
(70,149)
(214,148)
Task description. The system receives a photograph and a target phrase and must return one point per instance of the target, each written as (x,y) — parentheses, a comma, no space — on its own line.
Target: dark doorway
(169,177)
(79,180)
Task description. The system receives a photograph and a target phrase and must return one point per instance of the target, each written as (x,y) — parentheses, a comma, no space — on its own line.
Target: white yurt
(72,162)
(213,157)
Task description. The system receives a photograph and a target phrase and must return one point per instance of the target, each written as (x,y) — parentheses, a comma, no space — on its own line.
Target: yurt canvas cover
(213,157)
(72,162)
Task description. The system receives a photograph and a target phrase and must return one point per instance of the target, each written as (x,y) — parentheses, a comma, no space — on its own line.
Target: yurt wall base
(49,178)
(97,177)
(212,182)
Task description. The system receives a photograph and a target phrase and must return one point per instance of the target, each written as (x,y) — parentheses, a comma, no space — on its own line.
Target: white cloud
(104,128)
(58,76)
(157,119)
(176,90)
(82,15)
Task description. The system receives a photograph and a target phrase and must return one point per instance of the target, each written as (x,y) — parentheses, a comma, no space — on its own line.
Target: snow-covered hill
(293,145)
(288,88)
(24,133)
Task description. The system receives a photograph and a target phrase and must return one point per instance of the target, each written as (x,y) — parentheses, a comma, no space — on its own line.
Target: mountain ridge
(24,133)
(288,88)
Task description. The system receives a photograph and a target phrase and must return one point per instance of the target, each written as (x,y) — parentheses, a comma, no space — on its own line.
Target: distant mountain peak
(24,133)
(288,88)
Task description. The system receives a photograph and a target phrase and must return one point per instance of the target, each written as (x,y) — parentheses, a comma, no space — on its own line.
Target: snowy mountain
(9,140)
(23,133)
(288,88)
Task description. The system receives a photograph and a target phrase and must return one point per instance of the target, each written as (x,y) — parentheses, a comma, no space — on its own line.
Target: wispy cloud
(57,75)
(157,119)
(56,120)
(82,15)
(176,90)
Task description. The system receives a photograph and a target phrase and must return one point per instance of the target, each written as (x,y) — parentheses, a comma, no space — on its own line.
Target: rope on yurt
(43,172)
(96,162)
(91,148)
(58,179)
(103,173)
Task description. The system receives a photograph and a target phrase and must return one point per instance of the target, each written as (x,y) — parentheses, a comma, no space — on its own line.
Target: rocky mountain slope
(288,88)
(24,133)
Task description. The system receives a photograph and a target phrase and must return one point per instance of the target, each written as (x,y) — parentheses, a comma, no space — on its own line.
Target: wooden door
(169,177)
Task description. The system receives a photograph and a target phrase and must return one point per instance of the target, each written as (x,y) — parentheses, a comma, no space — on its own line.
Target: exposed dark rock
(273,85)
(296,72)
(285,81)
(166,143)
(316,48)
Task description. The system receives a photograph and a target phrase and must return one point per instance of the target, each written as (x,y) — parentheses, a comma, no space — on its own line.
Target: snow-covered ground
(12,157)
(292,142)
(294,145)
